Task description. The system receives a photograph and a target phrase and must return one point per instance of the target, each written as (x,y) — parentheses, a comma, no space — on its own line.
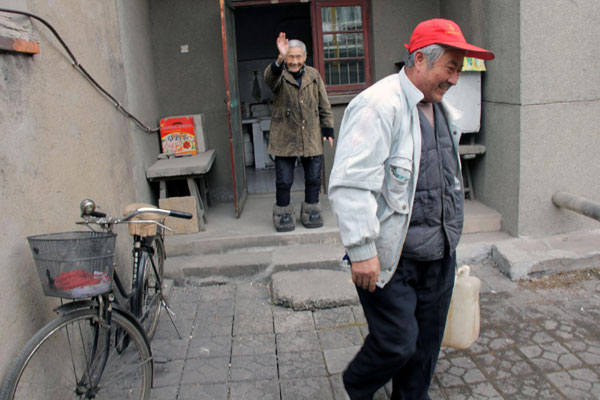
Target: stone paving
(534,344)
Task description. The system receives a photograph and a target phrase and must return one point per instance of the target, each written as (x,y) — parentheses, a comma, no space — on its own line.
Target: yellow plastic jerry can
(462,326)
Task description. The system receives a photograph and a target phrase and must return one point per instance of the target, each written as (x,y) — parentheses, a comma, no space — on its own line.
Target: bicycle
(96,348)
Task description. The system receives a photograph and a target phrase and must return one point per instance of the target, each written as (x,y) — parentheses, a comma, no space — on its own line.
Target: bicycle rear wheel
(64,359)
(149,290)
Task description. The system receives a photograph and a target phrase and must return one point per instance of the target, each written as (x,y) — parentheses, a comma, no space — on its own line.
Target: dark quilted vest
(437,215)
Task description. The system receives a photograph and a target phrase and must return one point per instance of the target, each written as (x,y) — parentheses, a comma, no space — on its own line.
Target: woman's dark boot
(311,215)
(284,218)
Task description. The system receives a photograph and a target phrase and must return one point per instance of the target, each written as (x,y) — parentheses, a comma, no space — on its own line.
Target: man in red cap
(396,189)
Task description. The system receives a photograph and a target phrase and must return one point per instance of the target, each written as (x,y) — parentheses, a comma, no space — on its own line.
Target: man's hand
(365,273)
(283,47)
(330,140)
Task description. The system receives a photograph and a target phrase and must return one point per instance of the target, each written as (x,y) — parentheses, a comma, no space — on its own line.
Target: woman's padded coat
(299,113)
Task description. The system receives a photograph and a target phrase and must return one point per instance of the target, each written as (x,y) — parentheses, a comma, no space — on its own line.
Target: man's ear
(420,60)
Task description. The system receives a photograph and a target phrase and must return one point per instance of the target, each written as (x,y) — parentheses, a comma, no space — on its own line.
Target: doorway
(257,28)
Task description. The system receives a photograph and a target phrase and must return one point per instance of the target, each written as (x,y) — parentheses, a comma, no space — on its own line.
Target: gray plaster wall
(392,23)
(193,82)
(140,80)
(560,95)
(540,109)
(496,175)
(62,141)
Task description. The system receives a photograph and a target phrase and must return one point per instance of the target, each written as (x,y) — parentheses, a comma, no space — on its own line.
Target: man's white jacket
(375,170)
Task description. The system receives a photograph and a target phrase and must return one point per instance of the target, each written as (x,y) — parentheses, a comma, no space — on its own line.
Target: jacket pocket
(398,177)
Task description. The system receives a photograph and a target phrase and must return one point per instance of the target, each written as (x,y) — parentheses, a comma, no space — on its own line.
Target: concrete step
(199,244)
(249,248)
(260,263)
(255,265)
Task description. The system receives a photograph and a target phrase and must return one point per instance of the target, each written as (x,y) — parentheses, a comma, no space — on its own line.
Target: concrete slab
(313,289)
(520,258)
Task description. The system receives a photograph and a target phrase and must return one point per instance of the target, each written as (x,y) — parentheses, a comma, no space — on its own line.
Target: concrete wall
(193,82)
(62,141)
(392,23)
(141,92)
(540,108)
(496,175)
(560,114)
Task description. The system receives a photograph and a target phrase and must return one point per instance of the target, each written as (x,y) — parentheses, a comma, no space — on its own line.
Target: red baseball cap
(447,33)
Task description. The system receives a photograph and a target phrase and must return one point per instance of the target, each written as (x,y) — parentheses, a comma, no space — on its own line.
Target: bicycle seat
(142,229)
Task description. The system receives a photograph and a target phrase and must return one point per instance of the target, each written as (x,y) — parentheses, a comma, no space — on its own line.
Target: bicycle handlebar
(180,214)
(88,209)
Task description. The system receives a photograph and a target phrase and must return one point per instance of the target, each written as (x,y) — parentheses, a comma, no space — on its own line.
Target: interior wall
(193,82)
(62,141)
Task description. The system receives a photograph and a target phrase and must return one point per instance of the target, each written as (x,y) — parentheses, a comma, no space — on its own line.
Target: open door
(234,115)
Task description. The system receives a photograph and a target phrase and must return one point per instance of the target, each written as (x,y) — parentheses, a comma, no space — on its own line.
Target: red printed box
(177,136)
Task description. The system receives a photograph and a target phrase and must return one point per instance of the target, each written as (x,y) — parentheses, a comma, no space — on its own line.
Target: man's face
(295,59)
(444,73)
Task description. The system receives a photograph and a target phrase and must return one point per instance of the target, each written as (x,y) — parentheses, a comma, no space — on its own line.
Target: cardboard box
(177,136)
(179,225)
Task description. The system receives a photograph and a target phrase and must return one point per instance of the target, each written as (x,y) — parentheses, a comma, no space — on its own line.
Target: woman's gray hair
(297,43)
(432,53)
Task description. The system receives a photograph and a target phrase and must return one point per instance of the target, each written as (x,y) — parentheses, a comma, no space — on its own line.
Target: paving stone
(167,374)
(491,339)
(532,387)
(503,364)
(287,320)
(336,360)
(458,371)
(164,393)
(485,390)
(337,385)
(435,391)
(587,349)
(260,343)
(542,344)
(210,346)
(253,367)
(212,325)
(170,349)
(303,364)
(306,389)
(297,341)
(254,320)
(215,391)
(165,329)
(254,390)
(340,337)
(359,314)
(206,370)
(550,356)
(577,384)
(334,317)
(526,333)
(183,310)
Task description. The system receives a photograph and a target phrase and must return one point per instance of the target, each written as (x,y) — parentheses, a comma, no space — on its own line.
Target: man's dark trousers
(406,325)
(284,178)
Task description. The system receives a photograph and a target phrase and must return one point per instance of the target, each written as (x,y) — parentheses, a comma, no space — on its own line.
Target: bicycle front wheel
(68,359)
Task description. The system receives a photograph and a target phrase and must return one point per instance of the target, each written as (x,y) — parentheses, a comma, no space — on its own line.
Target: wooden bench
(468,152)
(191,168)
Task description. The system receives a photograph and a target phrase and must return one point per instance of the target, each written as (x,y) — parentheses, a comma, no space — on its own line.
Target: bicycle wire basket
(74,265)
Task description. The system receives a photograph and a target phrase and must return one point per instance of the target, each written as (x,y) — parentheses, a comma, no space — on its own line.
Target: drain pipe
(578,204)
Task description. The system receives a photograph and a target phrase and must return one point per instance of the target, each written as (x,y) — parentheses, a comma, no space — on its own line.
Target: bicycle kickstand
(170,312)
